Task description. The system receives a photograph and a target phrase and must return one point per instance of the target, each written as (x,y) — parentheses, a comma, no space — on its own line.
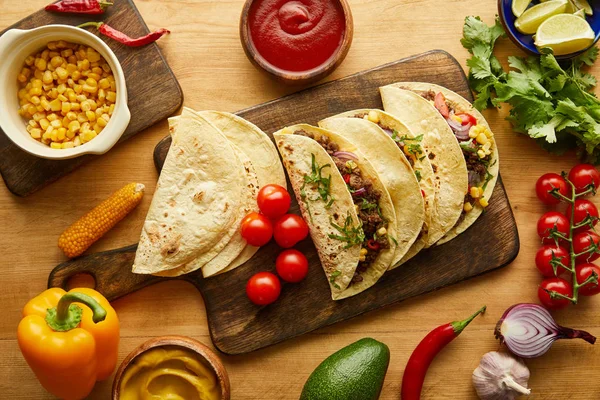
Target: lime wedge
(583,5)
(533,17)
(564,34)
(579,13)
(519,6)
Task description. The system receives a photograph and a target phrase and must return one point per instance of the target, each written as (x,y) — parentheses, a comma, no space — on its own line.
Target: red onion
(388,131)
(345,155)
(528,330)
(460,131)
(359,192)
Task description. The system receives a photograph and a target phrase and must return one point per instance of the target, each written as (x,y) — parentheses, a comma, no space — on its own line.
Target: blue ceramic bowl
(525,42)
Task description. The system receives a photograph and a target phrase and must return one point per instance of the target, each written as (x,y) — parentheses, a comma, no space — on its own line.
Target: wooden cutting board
(236,325)
(148,76)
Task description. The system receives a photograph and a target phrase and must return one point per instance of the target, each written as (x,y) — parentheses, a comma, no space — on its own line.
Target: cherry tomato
(544,256)
(273,201)
(440,104)
(289,230)
(546,183)
(257,229)
(583,208)
(583,175)
(583,272)
(552,220)
(558,285)
(467,119)
(263,288)
(291,265)
(582,242)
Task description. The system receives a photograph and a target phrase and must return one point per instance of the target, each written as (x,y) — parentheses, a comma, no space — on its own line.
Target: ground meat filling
(366,201)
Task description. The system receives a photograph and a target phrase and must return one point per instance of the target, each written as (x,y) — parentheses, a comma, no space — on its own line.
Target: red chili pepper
(79,6)
(425,352)
(123,38)
(347,178)
(422,193)
(372,244)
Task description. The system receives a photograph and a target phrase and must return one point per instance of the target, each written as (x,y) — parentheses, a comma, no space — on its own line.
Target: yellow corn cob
(84,232)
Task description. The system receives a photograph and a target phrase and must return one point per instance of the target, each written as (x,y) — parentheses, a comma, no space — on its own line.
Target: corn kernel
(363,252)
(54,135)
(77,141)
(89,89)
(91,116)
(111,96)
(67,145)
(362,258)
(38,116)
(75,106)
(55,105)
(51,117)
(44,123)
(482,139)
(481,153)
(74,126)
(102,122)
(456,118)
(483,202)
(66,107)
(56,145)
(473,132)
(474,192)
(467,207)
(36,133)
(30,60)
(381,231)
(40,64)
(35,100)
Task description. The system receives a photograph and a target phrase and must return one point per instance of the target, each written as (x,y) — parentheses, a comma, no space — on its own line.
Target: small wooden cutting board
(238,326)
(148,78)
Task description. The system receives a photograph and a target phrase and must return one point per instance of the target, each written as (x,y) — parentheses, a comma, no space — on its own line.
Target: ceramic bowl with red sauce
(296,41)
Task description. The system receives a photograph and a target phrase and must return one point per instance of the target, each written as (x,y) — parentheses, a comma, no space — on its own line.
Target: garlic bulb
(499,376)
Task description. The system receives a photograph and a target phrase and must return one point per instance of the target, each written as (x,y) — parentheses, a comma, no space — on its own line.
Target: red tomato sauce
(296,35)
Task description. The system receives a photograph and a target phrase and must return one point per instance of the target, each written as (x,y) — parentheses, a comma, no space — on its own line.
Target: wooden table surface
(207,58)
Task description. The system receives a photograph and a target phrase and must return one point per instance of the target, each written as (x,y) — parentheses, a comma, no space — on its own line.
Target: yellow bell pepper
(70,340)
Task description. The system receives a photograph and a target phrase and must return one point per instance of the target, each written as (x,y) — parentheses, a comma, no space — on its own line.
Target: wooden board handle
(110,269)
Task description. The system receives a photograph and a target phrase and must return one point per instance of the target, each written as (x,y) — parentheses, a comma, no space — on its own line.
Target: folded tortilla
(330,209)
(490,163)
(443,151)
(261,160)
(393,168)
(197,202)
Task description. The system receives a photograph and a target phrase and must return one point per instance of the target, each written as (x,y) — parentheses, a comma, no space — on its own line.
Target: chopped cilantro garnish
(418,175)
(411,144)
(322,184)
(349,233)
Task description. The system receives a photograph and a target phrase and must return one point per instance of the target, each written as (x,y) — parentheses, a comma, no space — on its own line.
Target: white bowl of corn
(62,92)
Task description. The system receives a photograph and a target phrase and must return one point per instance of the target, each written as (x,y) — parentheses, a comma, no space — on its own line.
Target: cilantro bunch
(550,101)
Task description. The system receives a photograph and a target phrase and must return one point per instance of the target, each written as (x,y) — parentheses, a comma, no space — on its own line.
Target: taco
(348,209)
(477,144)
(442,149)
(364,128)
(198,201)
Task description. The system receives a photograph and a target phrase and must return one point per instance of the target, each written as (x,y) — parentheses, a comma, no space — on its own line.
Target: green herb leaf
(349,233)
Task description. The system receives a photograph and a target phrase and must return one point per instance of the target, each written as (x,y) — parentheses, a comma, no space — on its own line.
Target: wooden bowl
(203,351)
(296,78)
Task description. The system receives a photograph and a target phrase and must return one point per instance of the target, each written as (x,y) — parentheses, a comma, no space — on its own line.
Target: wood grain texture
(236,325)
(148,77)
(206,56)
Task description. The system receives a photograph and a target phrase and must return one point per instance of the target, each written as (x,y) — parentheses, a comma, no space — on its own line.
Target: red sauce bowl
(299,15)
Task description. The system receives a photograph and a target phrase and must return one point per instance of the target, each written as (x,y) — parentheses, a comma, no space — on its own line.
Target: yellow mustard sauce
(169,373)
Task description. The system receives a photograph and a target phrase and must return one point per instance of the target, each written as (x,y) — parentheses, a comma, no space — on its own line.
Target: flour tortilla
(443,151)
(296,152)
(339,263)
(462,105)
(394,170)
(198,197)
(261,161)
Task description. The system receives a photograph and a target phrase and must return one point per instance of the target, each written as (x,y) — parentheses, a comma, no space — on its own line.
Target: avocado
(355,372)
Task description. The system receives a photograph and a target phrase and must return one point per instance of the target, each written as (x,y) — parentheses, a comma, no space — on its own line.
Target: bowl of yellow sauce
(171,368)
